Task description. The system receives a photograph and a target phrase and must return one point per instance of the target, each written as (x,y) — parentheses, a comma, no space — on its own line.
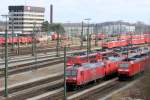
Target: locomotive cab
(131,66)
(123,70)
(71,76)
(87,72)
(125,67)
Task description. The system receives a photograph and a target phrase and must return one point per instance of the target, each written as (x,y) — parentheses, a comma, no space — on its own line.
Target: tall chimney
(51,14)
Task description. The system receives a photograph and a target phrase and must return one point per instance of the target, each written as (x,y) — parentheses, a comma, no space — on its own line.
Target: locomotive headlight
(74,78)
(126,70)
(67,78)
(120,69)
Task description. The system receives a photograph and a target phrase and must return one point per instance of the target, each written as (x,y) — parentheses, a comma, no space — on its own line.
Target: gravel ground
(21,77)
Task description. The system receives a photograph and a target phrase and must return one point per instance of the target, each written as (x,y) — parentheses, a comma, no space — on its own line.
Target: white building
(25,18)
(115,27)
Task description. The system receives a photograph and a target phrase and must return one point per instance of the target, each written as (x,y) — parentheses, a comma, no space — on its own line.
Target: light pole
(6,57)
(65,86)
(120,29)
(82,34)
(102,39)
(35,47)
(96,34)
(88,19)
(57,47)
(33,40)
(12,33)
(18,44)
(2,51)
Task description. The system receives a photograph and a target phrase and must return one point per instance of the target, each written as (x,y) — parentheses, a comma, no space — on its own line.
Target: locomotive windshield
(71,73)
(123,65)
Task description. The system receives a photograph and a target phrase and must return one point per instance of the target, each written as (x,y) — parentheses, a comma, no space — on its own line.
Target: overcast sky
(97,10)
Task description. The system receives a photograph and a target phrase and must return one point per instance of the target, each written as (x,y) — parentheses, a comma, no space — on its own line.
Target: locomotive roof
(135,58)
(83,53)
(92,65)
(113,58)
(87,65)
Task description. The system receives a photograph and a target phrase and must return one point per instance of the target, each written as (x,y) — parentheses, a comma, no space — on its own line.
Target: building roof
(26,8)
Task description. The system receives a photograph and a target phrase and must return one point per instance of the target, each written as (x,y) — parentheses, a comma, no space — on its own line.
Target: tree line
(54,27)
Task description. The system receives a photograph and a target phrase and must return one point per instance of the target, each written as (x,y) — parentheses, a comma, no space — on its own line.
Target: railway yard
(96,74)
(74,50)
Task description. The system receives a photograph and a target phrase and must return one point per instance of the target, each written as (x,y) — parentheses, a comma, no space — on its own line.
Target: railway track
(81,93)
(28,50)
(54,91)
(48,54)
(91,92)
(28,58)
(28,89)
(31,66)
(39,55)
(51,88)
(32,63)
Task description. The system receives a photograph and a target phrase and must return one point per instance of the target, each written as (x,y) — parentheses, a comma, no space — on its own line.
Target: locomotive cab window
(71,73)
(123,65)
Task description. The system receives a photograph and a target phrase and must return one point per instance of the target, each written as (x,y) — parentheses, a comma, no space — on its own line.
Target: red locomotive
(82,58)
(111,64)
(79,58)
(87,72)
(77,76)
(131,66)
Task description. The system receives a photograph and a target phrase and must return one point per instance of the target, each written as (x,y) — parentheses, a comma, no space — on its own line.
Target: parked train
(120,43)
(125,40)
(79,75)
(80,58)
(134,65)
(20,39)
